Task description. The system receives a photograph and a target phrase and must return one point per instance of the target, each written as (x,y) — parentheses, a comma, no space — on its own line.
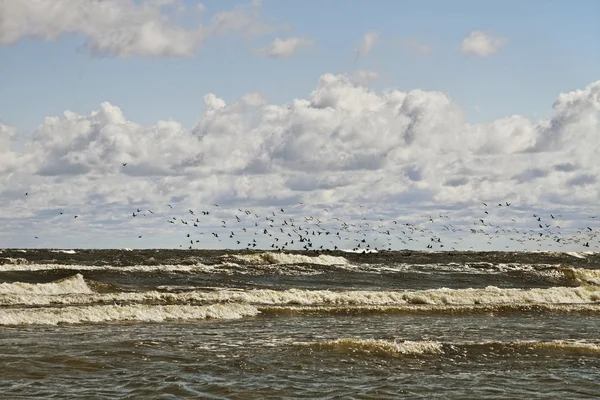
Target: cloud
(281,48)
(582,180)
(364,77)
(9,160)
(400,154)
(245,18)
(366,44)
(122,28)
(565,167)
(481,44)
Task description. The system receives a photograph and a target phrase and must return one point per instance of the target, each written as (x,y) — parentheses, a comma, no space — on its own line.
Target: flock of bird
(280,230)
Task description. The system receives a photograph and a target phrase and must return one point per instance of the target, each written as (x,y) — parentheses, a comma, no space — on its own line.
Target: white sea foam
(64,251)
(133,268)
(73,284)
(576,254)
(12,261)
(568,345)
(388,347)
(468,268)
(117,313)
(582,276)
(224,268)
(286,258)
(374,346)
(490,295)
(495,309)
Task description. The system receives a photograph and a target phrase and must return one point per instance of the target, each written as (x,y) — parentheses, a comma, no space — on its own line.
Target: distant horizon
(263,250)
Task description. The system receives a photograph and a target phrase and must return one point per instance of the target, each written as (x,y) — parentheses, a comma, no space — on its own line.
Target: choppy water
(240,325)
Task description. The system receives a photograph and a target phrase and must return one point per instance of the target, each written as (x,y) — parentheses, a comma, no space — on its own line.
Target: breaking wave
(582,276)
(13,261)
(73,284)
(374,346)
(286,258)
(75,290)
(378,347)
(192,268)
(118,313)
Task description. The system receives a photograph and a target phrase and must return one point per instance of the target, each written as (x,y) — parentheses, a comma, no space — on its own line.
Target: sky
(406,124)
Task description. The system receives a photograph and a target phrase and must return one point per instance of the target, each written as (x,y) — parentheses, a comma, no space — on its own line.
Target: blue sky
(397,105)
(552,47)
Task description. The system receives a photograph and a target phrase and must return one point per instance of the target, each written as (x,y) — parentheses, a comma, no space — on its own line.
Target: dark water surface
(240,325)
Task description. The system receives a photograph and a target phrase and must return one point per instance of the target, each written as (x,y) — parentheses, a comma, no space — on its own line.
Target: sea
(231,324)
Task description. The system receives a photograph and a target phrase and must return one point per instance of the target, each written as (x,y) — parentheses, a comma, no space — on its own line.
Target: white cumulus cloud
(364,77)
(481,44)
(122,28)
(401,155)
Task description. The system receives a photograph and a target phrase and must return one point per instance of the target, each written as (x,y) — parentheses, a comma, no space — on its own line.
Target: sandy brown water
(239,325)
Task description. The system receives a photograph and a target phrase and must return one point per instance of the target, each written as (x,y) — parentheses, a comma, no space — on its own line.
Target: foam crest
(382,347)
(461,350)
(133,268)
(117,313)
(287,258)
(582,276)
(491,295)
(495,309)
(73,284)
(7,261)
(558,345)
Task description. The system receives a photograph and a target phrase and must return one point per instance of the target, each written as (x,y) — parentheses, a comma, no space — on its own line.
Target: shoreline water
(238,324)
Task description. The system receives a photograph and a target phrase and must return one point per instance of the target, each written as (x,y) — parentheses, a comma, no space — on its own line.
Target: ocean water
(249,324)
